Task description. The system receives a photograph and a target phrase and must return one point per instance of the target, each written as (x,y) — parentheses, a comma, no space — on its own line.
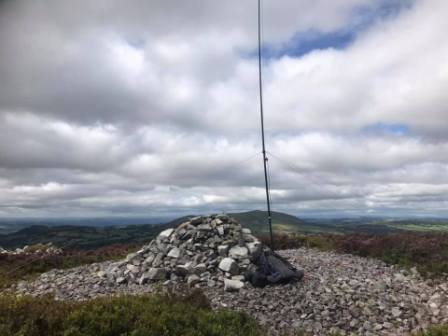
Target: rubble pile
(209,251)
(340,293)
(47,249)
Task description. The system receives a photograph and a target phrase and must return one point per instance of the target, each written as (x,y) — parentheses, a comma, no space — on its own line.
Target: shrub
(144,315)
(428,252)
(26,266)
(434,331)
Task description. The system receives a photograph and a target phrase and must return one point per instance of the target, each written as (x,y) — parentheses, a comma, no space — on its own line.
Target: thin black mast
(265,159)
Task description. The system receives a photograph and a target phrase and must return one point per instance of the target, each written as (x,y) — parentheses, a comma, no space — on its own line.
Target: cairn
(212,251)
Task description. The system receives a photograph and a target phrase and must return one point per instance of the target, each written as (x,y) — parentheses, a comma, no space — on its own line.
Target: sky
(150,108)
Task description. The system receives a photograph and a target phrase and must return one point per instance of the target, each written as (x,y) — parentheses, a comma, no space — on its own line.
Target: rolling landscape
(96,233)
(223,168)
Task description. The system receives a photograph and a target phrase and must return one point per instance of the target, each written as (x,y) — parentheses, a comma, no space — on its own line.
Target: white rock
(132,268)
(101,274)
(229,265)
(238,252)
(166,233)
(232,285)
(174,253)
(254,247)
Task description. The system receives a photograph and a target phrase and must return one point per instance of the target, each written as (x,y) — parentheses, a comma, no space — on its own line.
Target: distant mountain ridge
(76,236)
(88,237)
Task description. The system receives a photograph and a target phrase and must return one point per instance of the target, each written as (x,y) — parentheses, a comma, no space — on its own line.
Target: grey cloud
(116,108)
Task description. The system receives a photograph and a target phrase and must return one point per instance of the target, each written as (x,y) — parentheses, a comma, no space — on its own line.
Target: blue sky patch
(388,128)
(362,18)
(136,42)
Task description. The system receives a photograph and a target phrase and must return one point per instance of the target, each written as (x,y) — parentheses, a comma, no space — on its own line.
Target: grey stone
(132,268)
(121,280)
(396,312)
(223,250)
(156,274)
(193,279)
(200,268)
(183,270)
(158,260)
(204,227)
(148,261)
(196,220)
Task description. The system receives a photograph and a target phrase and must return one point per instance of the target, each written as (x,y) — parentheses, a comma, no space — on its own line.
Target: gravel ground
(344,293)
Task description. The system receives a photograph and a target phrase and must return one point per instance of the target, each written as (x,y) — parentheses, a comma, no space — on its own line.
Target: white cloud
(157,111)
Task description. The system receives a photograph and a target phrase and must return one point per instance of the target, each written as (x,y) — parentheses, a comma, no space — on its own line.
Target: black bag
(272,269)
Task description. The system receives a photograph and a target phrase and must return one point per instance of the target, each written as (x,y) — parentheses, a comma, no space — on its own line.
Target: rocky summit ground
(340,293)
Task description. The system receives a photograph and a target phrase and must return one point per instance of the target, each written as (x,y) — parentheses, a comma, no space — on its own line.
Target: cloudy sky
(150,108)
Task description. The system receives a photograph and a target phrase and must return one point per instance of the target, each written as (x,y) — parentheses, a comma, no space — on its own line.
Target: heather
(148,315)
(26,266)
(428,252)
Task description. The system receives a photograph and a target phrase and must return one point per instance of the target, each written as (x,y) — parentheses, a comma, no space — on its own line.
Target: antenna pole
(265,159)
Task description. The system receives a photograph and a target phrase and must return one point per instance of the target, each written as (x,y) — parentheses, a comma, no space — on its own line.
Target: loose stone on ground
(340,293)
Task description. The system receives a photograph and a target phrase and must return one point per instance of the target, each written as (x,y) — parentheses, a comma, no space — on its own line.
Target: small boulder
(132,268)
(156,274)
(222,250)
(196,220)
(193,279)
(229,265)
(174,253)
(183,270)
(165,234)
(254,247)
(238,252)
(232,285)
(200,268)
(121,280)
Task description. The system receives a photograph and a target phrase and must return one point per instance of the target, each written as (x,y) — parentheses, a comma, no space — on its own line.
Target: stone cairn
(212,251)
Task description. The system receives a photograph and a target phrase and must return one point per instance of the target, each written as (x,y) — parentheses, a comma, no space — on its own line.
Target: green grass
(423,227)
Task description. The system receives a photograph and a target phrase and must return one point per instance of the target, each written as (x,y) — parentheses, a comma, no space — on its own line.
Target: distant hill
(257,221)
(82,237)
(89,237)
